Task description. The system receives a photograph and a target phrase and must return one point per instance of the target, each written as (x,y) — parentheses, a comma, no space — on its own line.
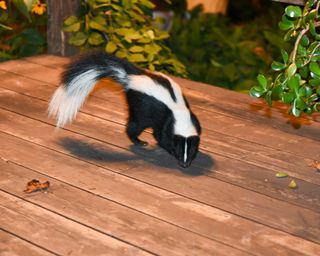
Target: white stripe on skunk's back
(68,99)
(183,125)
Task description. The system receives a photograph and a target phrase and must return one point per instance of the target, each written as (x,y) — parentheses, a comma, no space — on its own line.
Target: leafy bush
(126,29)
(297,77)
(22,28)
(217,51)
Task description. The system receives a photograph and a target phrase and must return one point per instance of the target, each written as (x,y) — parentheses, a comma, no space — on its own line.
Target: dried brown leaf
(35,185)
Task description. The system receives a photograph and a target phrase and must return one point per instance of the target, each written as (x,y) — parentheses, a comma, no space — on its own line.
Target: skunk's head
(185,149)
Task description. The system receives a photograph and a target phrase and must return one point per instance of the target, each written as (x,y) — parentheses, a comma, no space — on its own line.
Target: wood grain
(228,202)
(114,219)
(210,222)
(51,231)
(213,192)
(13,245)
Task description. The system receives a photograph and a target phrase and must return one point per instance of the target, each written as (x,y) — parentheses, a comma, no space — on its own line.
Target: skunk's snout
(185,149)
(184,165)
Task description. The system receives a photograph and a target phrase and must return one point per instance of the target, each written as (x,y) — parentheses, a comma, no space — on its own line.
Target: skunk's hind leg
(134,129)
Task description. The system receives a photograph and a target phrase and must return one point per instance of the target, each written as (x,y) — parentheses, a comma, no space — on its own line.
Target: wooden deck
(109,198)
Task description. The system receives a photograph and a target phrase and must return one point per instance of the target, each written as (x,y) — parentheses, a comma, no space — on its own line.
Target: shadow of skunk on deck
(203,165)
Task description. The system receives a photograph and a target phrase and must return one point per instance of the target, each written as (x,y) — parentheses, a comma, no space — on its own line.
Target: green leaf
(300,104)
(256,92)
(305,41)
(308,90)
(293,11)
(312,28)
(277,66)
(308,110)
(310,3)
(302,50)
(313,46)
(291,70)
(128,33)
(121,54)
(268,98)
(285,23)
(262,81)
(95,38)
(316,106)
(294,83)
(70,20)
(147,4)
(287,97)
(136,48)
(295,110)
(293,184)
(304,72)
(150,34)
(95,25)
(111,47)
(314,82)
(311,15)
(285,56)
(314,67)
(137,57)
(104,1)
(75,27)
(277,91)
(78,39)
(152,48)
(281,175)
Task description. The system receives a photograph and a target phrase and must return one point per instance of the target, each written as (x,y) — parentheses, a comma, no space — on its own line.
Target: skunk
(155,101)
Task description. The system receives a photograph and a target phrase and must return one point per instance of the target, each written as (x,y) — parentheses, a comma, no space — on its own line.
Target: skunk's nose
(184,164)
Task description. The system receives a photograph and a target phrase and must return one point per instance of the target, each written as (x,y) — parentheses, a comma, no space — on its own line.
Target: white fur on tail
(67,100)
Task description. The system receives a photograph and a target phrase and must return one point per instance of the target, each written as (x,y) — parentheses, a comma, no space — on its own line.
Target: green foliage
(124,28)
(219,52)
(296,79)
(22,32)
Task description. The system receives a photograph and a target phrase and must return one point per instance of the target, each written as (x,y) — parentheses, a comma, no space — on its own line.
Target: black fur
(144,111)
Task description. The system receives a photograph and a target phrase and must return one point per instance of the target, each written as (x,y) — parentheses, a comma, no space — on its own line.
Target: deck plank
(51,231)
(79,204)
(207,221)
(11,245)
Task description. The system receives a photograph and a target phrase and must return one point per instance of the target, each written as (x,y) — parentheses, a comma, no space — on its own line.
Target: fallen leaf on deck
(281,175)
(293,184)
(35,185)
(315,164)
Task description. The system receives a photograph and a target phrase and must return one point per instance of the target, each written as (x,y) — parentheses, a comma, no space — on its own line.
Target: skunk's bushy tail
(80,78)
